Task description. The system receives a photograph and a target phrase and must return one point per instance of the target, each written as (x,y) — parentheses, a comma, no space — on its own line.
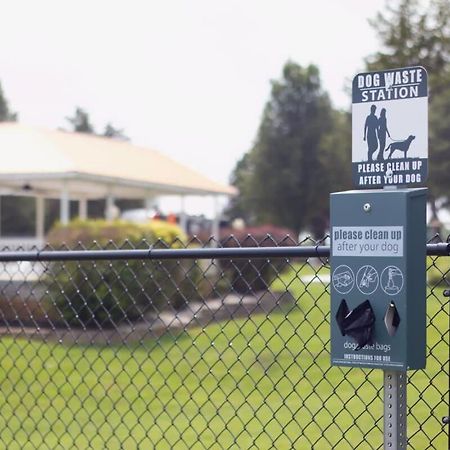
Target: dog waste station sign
(378,239)
(390,128)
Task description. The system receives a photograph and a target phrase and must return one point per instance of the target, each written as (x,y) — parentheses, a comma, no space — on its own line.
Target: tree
(114,133)
(413,36)
(240,206)
(286,177)
(81,122)
(6,115)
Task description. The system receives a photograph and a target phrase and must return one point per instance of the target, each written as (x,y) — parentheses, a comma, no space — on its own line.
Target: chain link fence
(201,346)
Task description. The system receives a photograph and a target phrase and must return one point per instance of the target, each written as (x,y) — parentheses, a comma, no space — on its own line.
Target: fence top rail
(440,249)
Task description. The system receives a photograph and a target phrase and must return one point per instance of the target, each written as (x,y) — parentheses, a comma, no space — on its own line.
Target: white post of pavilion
(216,221)
(110,208)
(183,216)
(82,209)
(40,218)
(64,211)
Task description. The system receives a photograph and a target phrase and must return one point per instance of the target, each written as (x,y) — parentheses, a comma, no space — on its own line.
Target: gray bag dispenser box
(378,279)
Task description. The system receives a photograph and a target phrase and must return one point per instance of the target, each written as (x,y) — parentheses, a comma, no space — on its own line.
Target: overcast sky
(188,78)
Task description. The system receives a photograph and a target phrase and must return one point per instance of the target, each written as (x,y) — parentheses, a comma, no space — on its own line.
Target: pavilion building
(70,170)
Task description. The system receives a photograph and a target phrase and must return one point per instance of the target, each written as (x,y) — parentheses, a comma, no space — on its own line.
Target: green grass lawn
(263,382)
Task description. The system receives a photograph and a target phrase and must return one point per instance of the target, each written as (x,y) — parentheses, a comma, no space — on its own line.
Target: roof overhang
(90,186)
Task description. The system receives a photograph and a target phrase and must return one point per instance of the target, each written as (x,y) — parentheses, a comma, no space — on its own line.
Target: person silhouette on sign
(370,132)
(382,130)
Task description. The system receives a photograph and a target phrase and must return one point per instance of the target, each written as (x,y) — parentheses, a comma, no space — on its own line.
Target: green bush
(248,276)
(89,233)
(108,293)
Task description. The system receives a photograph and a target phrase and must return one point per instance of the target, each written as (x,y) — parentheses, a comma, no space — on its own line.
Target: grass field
(263,382)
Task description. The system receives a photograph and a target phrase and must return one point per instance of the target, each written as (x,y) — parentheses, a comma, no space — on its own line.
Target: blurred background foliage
(302,150)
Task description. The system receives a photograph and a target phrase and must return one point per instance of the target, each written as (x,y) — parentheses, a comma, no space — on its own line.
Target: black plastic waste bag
(357,323)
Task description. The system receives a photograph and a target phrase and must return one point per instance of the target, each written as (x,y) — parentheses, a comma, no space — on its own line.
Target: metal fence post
(395,436)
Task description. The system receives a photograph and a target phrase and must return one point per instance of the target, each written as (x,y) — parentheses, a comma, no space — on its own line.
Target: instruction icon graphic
(367,279)
(343,279)
(392,280)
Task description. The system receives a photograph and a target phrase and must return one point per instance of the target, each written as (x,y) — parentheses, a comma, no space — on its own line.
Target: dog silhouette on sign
(402,146)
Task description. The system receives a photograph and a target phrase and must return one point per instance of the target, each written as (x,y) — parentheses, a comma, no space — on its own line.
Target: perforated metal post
(395,410)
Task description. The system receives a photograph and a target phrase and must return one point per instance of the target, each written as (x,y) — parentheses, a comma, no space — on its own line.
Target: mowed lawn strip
(264,381)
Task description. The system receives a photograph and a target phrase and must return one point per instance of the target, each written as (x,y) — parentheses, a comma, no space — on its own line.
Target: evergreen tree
(114,133)
(80,122)
(411,35)
(297,158)
(6,115)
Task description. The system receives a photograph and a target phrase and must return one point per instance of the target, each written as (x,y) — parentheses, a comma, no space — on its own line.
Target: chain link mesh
(197,354)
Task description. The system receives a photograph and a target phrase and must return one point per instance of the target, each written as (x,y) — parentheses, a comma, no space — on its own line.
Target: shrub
(84,232)
(249,276)
(23,310)
(108,293)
